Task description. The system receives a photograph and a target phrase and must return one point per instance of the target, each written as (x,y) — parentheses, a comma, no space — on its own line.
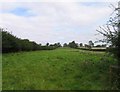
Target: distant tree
(34,46)
(57,45)
(81,45)
(65,45)
(91,44)
(87,46)
(40,44)
(47,44)
(73,44)
(103,45)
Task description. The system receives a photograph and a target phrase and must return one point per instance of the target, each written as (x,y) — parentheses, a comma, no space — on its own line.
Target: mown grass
(60,69)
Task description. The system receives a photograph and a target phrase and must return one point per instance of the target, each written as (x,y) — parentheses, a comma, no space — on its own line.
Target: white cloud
(53,21)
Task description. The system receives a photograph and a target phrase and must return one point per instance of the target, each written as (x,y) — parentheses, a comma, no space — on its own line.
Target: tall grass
(60,69)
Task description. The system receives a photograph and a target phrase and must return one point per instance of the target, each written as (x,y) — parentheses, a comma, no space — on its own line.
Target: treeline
(11,43)
(72,44)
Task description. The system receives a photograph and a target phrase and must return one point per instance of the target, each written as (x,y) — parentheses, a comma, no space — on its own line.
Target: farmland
(59,69)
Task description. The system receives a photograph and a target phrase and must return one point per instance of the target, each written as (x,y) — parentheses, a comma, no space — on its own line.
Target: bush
(11,43)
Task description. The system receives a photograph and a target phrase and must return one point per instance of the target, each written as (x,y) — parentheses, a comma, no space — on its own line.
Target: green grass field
(60,69)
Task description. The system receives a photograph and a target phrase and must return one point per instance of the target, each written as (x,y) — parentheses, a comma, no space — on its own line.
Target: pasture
(59,69)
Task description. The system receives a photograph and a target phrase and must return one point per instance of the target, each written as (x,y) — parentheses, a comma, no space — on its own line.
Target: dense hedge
(11,43)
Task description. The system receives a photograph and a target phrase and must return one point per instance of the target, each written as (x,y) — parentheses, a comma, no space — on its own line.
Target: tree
(111,32)
(65,45)
(81,45)
(57,45)
(47,44)
(11,43)
(87,46)
(91,44)
(103,45)
(73,44)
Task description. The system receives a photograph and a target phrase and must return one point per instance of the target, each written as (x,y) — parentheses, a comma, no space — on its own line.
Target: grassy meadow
(60,69)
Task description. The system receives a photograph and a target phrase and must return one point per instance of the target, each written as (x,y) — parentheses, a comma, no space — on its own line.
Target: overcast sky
(52,22)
